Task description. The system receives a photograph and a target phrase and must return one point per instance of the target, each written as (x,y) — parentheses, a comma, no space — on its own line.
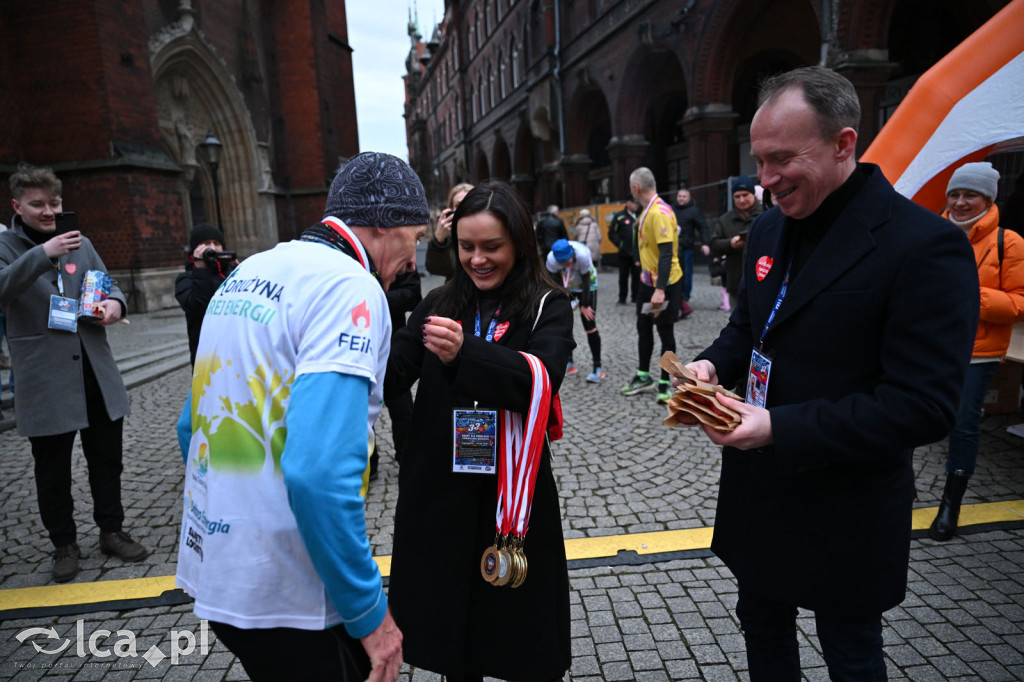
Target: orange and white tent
(967,106)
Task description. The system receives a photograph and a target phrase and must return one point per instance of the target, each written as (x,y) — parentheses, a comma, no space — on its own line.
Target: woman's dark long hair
(526,281)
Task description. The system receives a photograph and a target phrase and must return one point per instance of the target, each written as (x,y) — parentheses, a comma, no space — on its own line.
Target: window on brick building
(515,64)
(489,18)
(490,87)
(501,76)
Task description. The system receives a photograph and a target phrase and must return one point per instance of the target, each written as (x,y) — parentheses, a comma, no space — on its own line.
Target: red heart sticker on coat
(500,330)
(71,268)
(764,266)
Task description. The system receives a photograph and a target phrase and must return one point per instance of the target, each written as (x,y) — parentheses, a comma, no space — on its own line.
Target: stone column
(711,132)
(869,70)
(627,154)
(574,170)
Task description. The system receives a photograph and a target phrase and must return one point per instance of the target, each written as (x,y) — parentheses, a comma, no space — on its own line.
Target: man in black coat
(861,308)
(550,229)
(622,232)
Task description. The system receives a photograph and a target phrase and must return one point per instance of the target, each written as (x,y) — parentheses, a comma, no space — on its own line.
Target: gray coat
(49,395)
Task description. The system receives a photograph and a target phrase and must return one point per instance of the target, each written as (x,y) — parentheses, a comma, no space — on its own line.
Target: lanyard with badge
(475,437)
(760,360)
(63,310)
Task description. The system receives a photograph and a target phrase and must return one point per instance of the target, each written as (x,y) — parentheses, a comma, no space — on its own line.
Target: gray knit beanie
(980,177)
(374,189)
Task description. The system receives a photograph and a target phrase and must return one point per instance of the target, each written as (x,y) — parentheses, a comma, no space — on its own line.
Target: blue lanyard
(490,327)
(778,300)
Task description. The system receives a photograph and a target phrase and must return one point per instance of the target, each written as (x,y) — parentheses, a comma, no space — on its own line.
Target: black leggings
(275,654)
(590,327)
(665,322)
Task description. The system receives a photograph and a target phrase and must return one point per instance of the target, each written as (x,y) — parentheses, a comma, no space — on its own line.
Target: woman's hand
(587,312)
(444,226)
(443,337)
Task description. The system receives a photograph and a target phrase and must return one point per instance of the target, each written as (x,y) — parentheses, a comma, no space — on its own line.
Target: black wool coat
(871,346)
(453,621)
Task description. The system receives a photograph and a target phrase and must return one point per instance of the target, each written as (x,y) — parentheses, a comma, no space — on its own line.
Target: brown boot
(119,544)
(65,562)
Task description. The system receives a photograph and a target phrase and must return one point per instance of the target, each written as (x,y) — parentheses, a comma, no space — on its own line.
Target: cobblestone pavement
(619,471)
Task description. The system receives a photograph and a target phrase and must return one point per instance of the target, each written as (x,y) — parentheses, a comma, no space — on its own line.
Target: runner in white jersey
(287,386)
(573,264)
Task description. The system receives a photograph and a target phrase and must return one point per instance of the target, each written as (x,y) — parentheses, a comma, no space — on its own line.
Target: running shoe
(639,384)
(595,376)
(570,369)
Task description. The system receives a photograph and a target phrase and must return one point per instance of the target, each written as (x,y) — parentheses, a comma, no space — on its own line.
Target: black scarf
(323,233)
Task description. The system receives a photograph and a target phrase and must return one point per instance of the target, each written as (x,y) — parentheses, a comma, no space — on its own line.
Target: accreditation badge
(757,379)
(475,441)
(63,314)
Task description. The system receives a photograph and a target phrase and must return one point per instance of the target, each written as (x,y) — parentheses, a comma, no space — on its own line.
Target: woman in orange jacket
(999,254)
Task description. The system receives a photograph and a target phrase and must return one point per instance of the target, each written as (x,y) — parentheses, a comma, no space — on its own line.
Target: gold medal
(514,554)
(504,568)
(489,564)
(523,564)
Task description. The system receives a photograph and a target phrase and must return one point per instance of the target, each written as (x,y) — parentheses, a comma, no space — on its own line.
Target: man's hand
(384,647)
(197,255)
(62,244)
(443,337)
(755,431)
(704,370)
(736,242)
(657,298)
(110,310)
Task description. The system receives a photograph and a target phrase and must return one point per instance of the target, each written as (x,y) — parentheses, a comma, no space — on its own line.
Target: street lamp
(209,150)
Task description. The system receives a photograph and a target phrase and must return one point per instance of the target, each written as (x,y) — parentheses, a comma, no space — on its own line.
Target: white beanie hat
(980,177)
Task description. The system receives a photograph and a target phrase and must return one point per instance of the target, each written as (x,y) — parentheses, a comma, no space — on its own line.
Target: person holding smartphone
(207,267)
(68,380)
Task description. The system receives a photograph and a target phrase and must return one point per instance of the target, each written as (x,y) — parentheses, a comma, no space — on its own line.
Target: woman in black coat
(452,620)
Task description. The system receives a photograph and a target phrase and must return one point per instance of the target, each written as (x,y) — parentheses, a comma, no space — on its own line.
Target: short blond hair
(33,177)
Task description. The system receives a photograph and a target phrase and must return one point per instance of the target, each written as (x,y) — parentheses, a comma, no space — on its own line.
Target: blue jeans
(850,645)
(966,433)
(687,273)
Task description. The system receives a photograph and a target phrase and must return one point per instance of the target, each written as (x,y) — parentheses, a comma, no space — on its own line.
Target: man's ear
(16,206)
(846,144)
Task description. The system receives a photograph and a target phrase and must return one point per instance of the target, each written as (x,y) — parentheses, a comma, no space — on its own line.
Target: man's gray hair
(831,95)
(644,178)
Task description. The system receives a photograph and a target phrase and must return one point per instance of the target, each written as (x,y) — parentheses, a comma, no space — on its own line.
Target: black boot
(944,526)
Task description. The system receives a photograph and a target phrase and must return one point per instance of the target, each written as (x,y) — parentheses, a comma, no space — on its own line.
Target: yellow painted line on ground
(85,593)
(974,514)
(575,548)
(641,543)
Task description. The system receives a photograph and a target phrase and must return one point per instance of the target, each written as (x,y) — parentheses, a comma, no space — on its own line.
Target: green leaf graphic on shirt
(236,431)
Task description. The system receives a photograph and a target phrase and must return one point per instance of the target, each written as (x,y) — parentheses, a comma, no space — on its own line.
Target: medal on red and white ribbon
(504,563)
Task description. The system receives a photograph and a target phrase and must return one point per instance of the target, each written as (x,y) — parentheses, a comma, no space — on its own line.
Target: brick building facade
(565,98)
(116,96)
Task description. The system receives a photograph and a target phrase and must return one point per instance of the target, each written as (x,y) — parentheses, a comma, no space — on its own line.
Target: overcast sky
(378,35)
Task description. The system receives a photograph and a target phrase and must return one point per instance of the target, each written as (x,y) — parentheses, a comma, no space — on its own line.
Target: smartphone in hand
(67,221)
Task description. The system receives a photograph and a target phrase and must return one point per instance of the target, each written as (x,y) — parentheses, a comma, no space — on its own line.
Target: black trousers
(101,443)
(851,645)
(275,654)
(629,276)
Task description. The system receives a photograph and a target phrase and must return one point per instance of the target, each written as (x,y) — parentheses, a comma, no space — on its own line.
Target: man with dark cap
(204,272)
(277,435)
(729,235)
